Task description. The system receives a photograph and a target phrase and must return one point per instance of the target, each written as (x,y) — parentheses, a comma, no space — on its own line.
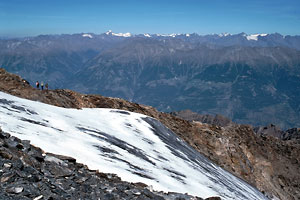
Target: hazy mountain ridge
(241,83)
(250,79)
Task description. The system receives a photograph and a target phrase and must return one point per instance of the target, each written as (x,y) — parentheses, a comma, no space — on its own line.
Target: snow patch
(224,34)
(147,35)
(135,147)
(108,32)
(122,34)
(87,35)
(118,34)
(167,35)
(255,36)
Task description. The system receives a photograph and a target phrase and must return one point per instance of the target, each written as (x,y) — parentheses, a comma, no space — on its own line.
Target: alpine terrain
(251,79)
(134,146)
(140,144)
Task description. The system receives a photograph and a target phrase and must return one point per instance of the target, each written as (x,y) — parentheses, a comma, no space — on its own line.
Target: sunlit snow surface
(255,36)
(133,146)
(87,35)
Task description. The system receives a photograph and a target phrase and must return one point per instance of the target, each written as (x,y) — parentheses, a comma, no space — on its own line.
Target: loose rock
(29,173)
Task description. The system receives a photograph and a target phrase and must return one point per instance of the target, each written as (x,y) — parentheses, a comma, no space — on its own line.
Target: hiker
(42,85)
(37,85)
(46,86)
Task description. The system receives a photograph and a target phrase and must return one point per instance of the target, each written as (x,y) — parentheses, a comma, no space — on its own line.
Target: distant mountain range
(252,79)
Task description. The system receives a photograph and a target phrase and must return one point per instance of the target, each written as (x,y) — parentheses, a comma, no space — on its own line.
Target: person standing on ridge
(37,85)
(42,85)
(46,86)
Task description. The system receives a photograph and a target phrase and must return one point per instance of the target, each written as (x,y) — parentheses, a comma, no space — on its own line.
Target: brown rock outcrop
(189,115)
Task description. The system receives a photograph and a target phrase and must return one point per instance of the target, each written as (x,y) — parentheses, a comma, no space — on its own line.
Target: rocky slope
(29,173)
(219,120)
(270,164)
(191,116)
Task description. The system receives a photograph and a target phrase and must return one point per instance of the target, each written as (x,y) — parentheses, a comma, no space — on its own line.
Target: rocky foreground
(268,163)
(29,173)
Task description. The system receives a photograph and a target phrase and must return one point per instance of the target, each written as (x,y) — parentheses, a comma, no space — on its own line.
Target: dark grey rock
(291,134)
(15,190)
(270,130)
(27,173)
(3,134)
(37,154)
(11,142)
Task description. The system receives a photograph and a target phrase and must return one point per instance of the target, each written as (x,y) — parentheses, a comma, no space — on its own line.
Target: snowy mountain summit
(135,147)
(251,37)
(255,36)
(118,34)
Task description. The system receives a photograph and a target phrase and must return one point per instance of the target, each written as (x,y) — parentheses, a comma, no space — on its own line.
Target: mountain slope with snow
(135,147)
(255,36)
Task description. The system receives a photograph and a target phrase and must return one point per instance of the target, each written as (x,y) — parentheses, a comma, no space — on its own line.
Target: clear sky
(34,17)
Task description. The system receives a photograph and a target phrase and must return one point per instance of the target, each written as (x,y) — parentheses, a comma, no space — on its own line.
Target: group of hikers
(42,85)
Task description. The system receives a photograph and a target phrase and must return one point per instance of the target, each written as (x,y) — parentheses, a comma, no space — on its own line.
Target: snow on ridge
(118,34)
(255,36)
(168,35)
(108,32)
(122,34)
(135,147)
(87,35)
(174,35)
(224,34)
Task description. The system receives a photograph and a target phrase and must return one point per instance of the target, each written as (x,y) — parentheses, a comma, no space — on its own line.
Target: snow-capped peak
(122,34)
(108,32)
(87,35)
(147,35)
(118,34)
(167,35)
(255,36)
(224,34)
(187,35)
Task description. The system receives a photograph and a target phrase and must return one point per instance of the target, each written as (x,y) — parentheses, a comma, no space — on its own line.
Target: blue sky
(34,17)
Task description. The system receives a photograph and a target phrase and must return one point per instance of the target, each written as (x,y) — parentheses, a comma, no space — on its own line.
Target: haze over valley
(251,79)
